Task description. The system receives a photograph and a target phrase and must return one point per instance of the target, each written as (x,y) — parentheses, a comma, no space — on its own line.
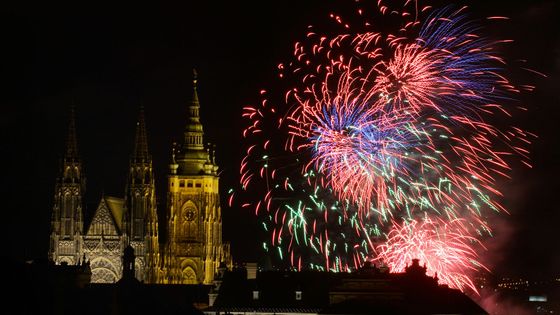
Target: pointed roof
(71,139)
(193,128)
(195,93)
(140,152)
(107,219)
(193,156)
(116,205)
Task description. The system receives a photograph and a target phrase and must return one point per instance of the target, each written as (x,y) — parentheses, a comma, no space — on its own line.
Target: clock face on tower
(190,214)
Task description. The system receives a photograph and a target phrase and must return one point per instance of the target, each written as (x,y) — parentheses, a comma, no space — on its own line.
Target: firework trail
(376,128)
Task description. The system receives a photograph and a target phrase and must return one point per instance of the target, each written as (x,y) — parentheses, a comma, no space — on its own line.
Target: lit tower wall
(194,247)
(67,219)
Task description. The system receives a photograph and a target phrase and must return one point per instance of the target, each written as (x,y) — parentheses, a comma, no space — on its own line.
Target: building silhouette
(193,249)
(369,290)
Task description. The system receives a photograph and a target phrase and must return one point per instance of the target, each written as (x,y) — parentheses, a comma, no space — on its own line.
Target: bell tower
(194,247)
(67,219)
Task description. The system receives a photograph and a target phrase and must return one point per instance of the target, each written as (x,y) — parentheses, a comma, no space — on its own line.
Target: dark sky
(109,60)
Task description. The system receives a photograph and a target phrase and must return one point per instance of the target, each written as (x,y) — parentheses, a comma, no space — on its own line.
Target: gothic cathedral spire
(67,218)
(71,139)
(194,248)
(140,212)
(140,152)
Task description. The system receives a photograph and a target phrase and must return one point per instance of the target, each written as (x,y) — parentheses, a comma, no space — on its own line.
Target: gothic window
(67,174)
(101,275)
(67,212)
(189,216)
(189,276)
(139,207)
(139,210)
(138,228)
(103,271)
(67,227)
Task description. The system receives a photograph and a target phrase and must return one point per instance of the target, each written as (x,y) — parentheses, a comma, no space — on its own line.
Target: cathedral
(193,250)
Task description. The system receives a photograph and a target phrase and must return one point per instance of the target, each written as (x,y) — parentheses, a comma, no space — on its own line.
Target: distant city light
(537,298)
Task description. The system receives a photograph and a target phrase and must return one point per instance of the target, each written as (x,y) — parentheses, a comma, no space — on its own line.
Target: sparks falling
(382,146)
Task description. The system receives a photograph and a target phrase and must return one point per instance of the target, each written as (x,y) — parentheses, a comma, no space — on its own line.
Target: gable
(104,221)
(116,206)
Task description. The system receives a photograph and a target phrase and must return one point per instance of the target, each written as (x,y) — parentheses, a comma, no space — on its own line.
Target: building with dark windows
(370,290)
(193,250)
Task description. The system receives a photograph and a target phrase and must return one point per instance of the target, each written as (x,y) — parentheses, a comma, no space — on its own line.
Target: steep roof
(116,205)
(107,219)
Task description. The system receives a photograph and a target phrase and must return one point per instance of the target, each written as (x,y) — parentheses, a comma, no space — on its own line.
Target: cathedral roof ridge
(106,197)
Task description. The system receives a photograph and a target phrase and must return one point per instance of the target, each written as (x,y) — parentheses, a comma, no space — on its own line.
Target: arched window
(138,216)
(189,220)
(103,270)
(189,276)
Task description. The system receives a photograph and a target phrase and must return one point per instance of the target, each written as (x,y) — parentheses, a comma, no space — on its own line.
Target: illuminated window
(255,295)
(298,295)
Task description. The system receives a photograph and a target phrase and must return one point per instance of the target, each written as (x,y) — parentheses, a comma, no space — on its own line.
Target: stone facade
(194,249)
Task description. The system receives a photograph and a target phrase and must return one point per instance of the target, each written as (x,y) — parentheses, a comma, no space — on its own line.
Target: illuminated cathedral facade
(193,250)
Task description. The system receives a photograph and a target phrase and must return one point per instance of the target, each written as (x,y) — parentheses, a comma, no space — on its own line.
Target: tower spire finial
(140,152)
(195,93)
(71,140)
(193,129)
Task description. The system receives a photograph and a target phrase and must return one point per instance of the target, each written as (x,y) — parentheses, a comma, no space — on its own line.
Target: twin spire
(193,134)
(71,140)
(140,152)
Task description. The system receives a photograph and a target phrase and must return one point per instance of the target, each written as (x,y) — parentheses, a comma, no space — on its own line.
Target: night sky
(110,60)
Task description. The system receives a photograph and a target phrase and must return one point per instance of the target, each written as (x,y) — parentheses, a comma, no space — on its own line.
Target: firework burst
(443,247)
(378,132)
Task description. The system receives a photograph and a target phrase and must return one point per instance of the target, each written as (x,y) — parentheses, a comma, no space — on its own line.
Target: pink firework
(444,247)
(378,126)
